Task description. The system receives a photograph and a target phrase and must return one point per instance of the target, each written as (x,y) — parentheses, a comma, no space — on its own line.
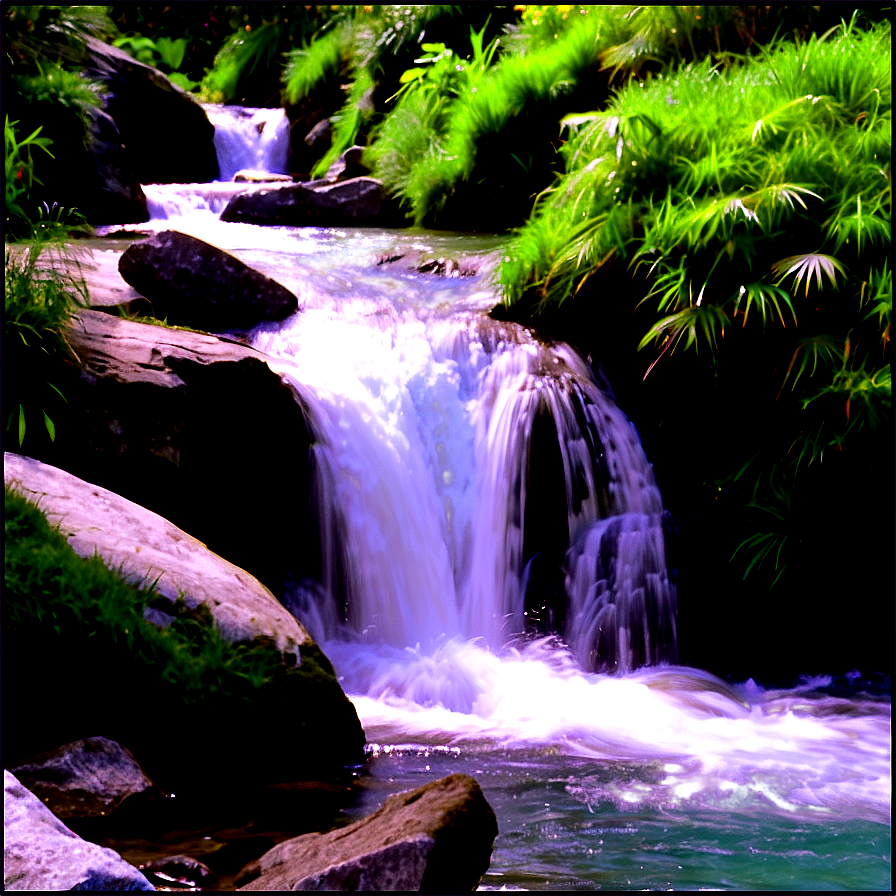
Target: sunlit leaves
(804,267)
(861,225)
(704,321)
(767,299)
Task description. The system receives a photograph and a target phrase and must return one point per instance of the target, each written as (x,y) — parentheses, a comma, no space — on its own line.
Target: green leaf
(51,429)
(808,265)
(21,425)
(766,298)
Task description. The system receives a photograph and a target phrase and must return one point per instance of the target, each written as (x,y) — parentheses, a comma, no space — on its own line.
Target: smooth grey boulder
(437,838)
(360,200)
(90,777)
(41,853)
(146,548)
(166,135)
(192,283)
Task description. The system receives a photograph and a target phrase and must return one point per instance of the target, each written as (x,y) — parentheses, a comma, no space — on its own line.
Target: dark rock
(113,193)
(89,777)
(179,871)
(348,166)
(437,838)
(360,200)
(167,136)
(165,417)
(195,284)
(320,135)
(41,853)
(463,266)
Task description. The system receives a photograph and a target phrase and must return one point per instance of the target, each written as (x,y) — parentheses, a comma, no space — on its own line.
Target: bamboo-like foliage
(754,194)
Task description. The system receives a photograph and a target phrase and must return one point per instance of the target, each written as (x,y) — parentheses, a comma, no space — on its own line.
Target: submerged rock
(90,777)
(179,872)
(360,200)
(192,283)
(41,853)
(437,838)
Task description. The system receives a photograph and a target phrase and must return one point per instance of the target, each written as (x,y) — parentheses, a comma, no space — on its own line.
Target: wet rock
(167,136)
(90,777)
(41,853)
(253,176)
(360,200)
(165,418)
(192,283)
(145,547)
(414,260)
(347,166)
(179,872)
(437,838)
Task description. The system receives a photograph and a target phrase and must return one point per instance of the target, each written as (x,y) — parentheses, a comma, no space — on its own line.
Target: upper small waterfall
(249,138)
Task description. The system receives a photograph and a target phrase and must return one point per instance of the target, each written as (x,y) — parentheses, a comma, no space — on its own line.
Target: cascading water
(476,489)
(245,139)
(429,444)
(254,139)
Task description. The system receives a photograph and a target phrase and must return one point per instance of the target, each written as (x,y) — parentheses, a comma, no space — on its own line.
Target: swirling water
(661,777)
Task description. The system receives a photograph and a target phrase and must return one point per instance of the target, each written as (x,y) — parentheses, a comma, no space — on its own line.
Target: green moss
(87,662)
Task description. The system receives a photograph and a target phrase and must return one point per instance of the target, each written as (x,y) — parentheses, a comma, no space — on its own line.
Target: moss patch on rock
(83,661)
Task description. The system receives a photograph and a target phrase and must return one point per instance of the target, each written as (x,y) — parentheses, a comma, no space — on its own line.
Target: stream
(495,597)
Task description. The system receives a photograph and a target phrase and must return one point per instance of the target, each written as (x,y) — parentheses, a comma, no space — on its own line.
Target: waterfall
(245,138)
(485,486)
(257,139)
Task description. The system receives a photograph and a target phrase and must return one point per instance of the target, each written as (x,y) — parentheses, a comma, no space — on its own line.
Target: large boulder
(180,422)
(146,548)
(298,721)
(359,200)
(192,283)
(41,853)
(110,190)
(167,135)
(437,838)
(88,778)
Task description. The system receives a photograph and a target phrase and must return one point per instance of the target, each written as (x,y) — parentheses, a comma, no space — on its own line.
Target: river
(441,491)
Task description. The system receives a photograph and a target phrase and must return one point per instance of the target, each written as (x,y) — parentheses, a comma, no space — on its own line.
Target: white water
(424,409)
(245,139)
(255,139)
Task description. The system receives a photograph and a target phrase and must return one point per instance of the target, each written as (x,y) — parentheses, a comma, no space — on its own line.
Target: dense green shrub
(87,662)
(752,207)
(41,294)
(45,94)
(371,47)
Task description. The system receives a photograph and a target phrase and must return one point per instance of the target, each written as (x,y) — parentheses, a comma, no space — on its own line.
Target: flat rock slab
(41,853)
(86,778)
(194,284)
(147,548)
(437,838)
(359,200)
